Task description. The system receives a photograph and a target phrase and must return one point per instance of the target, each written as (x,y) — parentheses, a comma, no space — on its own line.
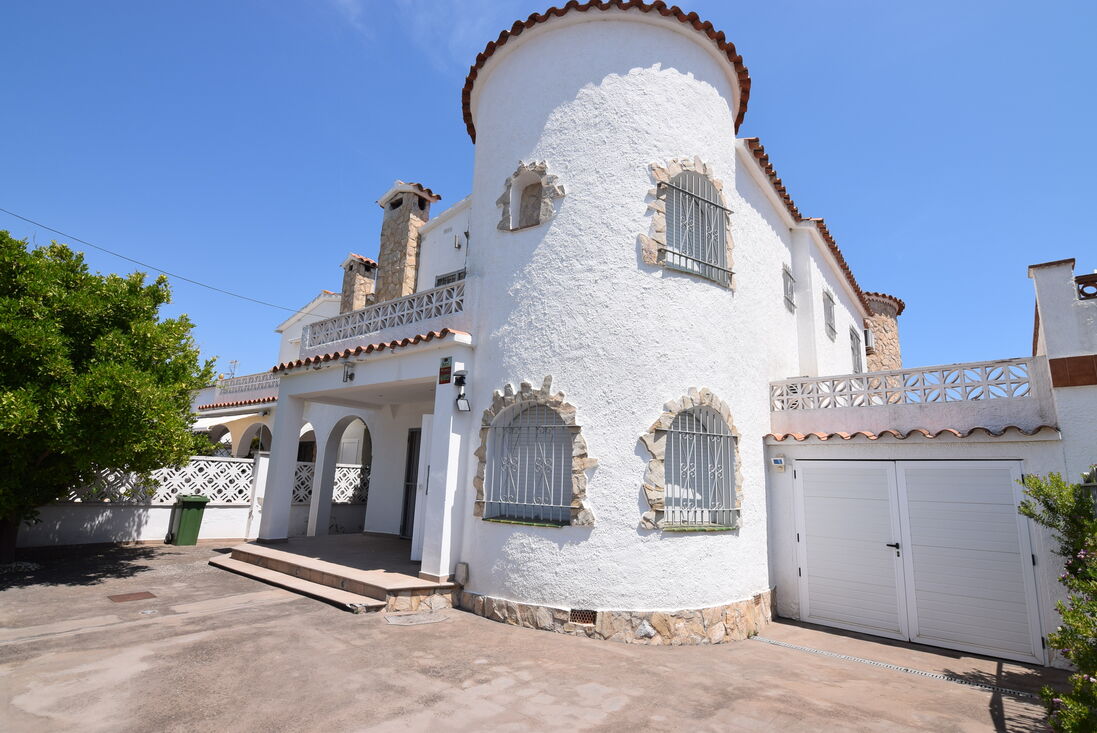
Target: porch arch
(343,459)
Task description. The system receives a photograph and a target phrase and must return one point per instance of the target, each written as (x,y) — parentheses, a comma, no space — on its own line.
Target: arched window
(529,466)
(529,209)
(699,470)
(696,223)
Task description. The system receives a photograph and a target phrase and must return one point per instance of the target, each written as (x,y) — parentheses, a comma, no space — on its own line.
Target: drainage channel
(907,670)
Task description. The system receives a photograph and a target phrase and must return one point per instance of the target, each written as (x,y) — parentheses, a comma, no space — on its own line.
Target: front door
(411,481)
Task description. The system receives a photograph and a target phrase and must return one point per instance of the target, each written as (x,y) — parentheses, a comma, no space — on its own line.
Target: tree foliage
(1069,511)
(91,378)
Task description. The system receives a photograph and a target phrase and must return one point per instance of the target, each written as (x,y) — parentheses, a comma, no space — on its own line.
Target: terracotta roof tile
(238,403)
(367,260)
(899,304)
(424,190)
(691,19)
(899,435)
(359,350)
(760,155)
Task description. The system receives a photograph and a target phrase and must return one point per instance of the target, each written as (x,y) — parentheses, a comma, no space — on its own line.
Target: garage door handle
(893,544)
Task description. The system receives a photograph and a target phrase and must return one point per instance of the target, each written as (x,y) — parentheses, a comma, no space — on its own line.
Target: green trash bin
(190,510)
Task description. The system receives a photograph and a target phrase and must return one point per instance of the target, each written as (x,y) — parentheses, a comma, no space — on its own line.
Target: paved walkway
(215,651)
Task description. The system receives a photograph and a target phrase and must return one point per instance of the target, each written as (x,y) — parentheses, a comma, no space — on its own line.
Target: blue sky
(243,143)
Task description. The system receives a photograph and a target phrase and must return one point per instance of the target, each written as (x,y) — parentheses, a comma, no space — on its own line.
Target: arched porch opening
(256,437)
(221,438)
(341,484)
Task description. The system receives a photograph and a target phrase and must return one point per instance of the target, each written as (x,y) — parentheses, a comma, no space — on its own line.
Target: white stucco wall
(600,100)
(437,253)
(832,356)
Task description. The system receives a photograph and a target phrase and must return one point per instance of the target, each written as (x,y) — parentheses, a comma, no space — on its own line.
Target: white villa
(625,389)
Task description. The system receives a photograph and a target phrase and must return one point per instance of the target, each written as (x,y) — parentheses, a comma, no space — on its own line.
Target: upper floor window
(449,278)
(828,315)
(855,351)
(696,227)
(790,288)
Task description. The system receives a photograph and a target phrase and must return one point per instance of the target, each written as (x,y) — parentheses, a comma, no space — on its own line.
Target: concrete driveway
(212,651)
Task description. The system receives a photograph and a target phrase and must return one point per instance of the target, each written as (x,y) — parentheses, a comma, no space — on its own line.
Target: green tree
(1069,511)
(91,379)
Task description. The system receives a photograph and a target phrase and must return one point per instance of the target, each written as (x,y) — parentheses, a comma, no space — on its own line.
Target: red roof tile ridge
(423,189)
(369,348)
(900,305)
(660,7)
(357,256)
(237,403)
(899,435)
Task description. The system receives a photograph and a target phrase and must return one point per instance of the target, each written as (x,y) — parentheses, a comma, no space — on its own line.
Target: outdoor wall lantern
(348,372)
(459,382)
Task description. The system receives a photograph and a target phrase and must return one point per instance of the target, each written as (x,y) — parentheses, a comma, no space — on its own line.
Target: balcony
(249,388)
(370,324)
(991,394)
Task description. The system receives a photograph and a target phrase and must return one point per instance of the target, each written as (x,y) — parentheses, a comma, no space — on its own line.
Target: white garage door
(931,551)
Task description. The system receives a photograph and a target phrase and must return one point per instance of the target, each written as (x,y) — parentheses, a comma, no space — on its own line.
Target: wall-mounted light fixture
(348,372)
(459,382)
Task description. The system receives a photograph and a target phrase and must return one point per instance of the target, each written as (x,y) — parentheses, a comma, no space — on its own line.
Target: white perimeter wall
(600,101)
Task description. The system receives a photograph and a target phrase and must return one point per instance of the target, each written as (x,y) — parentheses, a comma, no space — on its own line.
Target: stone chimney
(884,325)
(359,283)
(407,208)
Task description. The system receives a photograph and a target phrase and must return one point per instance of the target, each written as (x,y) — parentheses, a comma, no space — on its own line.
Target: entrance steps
(350,588)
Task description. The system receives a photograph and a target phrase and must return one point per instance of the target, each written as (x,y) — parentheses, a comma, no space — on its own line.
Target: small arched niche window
(529,206)
(696,227)
(529,466)
(527,199)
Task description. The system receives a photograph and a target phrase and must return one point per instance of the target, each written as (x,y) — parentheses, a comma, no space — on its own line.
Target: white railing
(223,480)
(991,380)
(350,487)
(249,383)
(443,301)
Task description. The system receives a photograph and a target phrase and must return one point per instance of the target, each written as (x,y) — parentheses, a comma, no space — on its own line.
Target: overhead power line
(152,267)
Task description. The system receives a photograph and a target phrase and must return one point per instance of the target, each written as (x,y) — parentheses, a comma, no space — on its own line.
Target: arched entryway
(341,485)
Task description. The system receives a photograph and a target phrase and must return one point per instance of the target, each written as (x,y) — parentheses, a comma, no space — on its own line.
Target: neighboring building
(639,324)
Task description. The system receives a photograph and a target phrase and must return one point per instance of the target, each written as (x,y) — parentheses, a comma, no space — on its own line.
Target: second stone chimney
(407,208)
(359,283)
(884,325)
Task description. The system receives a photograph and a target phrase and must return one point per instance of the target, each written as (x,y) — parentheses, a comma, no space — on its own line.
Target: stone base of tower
(714,625)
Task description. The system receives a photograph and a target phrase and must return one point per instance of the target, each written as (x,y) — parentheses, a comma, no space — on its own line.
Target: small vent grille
(583,617)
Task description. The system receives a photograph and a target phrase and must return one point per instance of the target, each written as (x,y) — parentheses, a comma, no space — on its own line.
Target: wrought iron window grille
(700,472)
(789,283)
(696,227)
(449,278)
(530,467)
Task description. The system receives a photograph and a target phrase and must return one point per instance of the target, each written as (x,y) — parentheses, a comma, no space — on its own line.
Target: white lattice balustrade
(443,301)
(302,482)
(223,480)
(351,483)
(993,380)
(249,383)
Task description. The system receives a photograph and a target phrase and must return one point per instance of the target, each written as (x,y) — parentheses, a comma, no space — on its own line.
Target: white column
(441,523)
(260,471)
(274,524)
(323,483)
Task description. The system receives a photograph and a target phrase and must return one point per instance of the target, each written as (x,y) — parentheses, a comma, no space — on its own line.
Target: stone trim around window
(654,485)
(653,245)
(526,174)
(581,462)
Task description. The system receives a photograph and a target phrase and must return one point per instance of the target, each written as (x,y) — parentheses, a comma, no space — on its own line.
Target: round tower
(603,260)
(883,351)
